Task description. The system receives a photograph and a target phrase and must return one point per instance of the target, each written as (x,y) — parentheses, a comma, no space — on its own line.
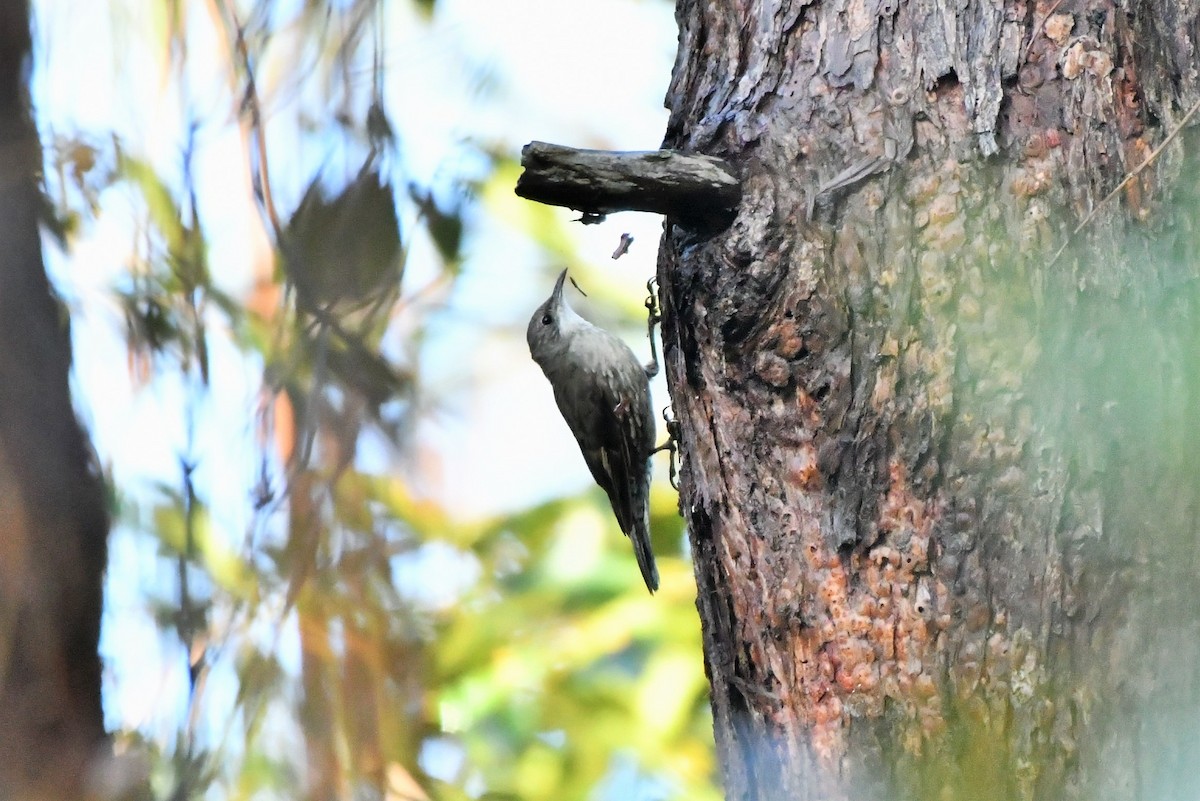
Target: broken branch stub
(698,193)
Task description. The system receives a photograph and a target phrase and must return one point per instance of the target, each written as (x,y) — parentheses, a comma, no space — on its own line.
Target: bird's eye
(547,319)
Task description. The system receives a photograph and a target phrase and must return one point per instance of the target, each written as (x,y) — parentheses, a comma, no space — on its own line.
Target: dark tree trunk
(53,518)
(942,490)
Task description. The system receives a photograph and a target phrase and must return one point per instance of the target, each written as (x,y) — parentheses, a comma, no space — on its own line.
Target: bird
(603,393)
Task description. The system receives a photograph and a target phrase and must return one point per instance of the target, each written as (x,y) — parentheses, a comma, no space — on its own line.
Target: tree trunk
(941,488)
(53,514)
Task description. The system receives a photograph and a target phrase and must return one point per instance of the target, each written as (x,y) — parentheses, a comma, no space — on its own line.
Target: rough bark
(53,519)
(941,493)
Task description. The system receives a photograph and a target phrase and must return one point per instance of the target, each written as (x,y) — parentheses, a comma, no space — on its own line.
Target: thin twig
(1125,182)
(256,128)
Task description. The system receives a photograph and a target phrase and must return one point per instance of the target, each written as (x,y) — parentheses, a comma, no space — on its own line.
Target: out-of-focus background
(356,551)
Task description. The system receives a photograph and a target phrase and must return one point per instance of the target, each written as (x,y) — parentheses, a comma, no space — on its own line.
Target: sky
(589,74)
(583,74)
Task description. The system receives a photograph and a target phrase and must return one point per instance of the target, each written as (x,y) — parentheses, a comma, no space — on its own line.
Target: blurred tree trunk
(942,490)
(53,518)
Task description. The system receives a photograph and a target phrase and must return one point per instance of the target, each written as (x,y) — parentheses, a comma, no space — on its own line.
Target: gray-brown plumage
(604,395)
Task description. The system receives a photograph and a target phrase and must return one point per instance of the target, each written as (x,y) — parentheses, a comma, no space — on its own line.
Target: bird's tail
(640,534)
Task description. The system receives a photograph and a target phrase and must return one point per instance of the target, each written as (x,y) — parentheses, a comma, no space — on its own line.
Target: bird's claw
(671,445)
(652,302)
(654,317)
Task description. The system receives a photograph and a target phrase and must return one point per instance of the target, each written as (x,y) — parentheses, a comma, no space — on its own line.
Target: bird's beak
(556,297)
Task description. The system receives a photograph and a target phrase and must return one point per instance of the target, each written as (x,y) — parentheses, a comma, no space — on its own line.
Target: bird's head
(552,324)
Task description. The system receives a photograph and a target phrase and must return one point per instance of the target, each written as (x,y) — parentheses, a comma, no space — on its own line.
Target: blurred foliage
(360,640)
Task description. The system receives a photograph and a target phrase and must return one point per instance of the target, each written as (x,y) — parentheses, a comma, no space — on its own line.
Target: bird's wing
(613,423)
(609,456)
(610,414)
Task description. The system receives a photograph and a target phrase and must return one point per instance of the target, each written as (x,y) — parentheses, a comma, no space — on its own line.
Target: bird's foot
(653,318)
(671,445)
